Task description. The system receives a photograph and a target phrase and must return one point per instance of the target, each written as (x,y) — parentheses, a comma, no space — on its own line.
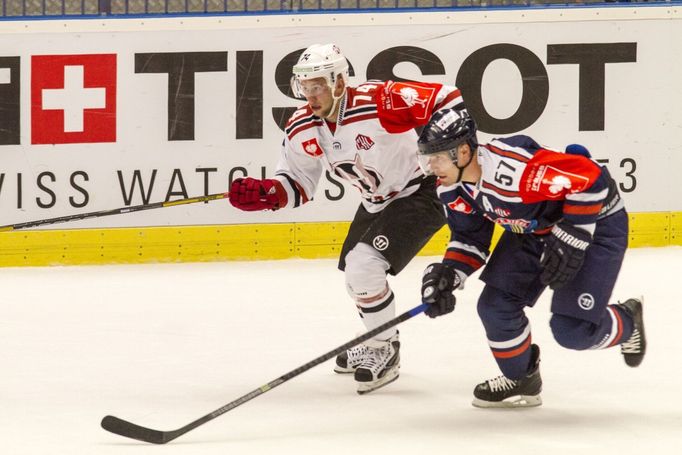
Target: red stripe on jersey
(359,118)
(500,190)
(513,353)
(459,257)
(301,191)
(582,209)
(451,96)
(304,127)
(507,153)
(302,112)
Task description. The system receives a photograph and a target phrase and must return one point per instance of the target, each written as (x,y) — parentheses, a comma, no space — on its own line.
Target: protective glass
(304,88)
(309,88)
(437,162)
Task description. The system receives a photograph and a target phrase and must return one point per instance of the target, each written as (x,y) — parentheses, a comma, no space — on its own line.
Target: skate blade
(518,401)
(342,370)
(366,387)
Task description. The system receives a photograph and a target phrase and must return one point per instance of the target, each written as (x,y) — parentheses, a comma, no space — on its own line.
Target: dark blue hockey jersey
(526,189)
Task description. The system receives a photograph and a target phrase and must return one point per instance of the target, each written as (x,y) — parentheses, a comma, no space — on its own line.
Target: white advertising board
(98,115)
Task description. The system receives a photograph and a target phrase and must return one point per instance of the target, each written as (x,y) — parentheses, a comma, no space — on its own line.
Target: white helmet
(319,60)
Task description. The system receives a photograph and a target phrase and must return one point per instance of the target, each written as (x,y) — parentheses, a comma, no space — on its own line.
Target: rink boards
(561,75)
(240,242)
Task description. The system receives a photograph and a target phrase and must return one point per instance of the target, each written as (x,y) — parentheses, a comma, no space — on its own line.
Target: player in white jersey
(565,227)
(364,135)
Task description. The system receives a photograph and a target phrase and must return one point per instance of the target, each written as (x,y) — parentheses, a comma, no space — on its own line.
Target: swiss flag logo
(73,98)
(312,148)
(460,205)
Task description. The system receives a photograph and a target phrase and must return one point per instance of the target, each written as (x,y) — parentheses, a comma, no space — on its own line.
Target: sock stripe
(514,352)
(376,308)
(618,327)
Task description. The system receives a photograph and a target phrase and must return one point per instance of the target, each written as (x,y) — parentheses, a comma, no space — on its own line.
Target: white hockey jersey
(373,145)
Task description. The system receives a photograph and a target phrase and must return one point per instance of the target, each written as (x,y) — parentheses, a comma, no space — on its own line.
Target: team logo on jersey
(336,146)
(407,96)
(411,97)
(553,182)
(460,205)
(363,142)
(312,148)
(380,242)
(586,301)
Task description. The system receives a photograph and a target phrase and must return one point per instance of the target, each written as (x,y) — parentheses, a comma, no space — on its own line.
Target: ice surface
(162,345)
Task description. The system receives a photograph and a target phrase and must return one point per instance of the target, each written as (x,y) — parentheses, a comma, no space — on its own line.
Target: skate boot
(348,361)
(634,348)
(380,366)
(502,392)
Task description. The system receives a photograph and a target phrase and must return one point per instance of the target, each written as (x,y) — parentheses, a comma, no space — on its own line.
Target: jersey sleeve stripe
(508,153)
(474,263)
(588,197)
(297,123)
(571,209)
(454,96)
(303,128)
(359,118)
(500,191)
(293,189)
(360,110)
(468,248)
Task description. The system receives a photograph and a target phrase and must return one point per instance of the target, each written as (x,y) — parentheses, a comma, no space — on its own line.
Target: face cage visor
(433,162)
(301,90)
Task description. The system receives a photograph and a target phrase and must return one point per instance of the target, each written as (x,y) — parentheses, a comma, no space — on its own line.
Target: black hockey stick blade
(130,430)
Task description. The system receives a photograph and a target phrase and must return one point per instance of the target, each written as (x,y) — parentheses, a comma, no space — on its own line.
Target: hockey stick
(134,208)
(130,430)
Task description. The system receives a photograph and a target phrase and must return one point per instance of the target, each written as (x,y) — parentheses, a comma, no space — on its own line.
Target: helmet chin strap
(336,102)
(461,169)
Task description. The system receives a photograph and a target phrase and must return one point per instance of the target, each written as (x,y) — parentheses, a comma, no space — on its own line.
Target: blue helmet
(447,129)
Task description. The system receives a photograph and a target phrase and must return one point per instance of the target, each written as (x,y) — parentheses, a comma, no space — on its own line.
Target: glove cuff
(572,236)
(279,193)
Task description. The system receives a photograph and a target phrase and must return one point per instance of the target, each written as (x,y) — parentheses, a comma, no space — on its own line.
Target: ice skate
(634,348)
(380,365)
(348,361)
(502,392)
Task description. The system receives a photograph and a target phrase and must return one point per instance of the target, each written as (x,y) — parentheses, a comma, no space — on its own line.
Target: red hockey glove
(251,194)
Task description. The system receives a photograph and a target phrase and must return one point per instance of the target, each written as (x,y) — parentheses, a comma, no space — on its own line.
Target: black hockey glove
(564,254)
(438,283)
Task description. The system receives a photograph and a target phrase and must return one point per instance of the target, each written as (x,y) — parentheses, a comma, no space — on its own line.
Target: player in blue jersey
(565,226)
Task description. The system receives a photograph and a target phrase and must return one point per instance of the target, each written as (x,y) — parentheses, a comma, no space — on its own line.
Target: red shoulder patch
(551,175)
(415,97)
(460,205)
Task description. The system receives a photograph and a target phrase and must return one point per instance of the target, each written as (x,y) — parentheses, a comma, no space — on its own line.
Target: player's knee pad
(365,272)
(572,333)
